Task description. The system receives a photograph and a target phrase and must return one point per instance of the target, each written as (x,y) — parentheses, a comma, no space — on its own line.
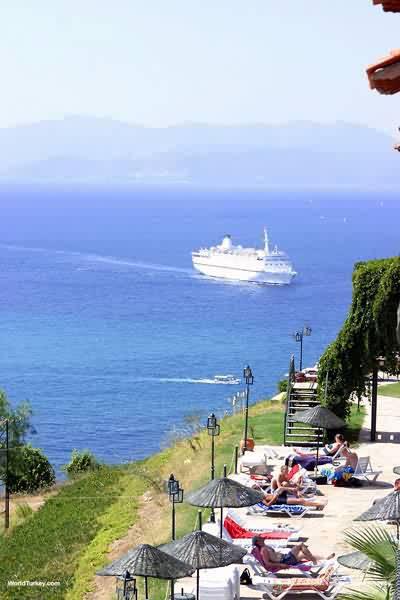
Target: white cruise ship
(227,261)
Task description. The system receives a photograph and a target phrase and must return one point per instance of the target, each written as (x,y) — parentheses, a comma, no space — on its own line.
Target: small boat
(227,379)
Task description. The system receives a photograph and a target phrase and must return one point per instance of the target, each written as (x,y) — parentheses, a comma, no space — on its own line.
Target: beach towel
(295,509)
(236,531)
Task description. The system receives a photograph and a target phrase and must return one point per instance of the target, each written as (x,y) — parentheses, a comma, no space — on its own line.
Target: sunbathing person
(283,492)
(308,460)
(328,449)
(273,560)
(283,480)
(345,471)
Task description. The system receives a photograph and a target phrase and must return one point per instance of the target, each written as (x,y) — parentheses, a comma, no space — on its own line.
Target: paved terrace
(324,533)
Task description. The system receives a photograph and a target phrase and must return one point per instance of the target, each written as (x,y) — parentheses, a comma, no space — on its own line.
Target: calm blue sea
(103,323)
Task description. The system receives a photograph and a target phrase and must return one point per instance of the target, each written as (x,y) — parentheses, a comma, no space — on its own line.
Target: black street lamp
(126,587)
(213,429)
(249,380)
(298,336)
(175,494)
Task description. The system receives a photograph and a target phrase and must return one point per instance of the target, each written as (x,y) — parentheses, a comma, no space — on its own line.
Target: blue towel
(295,509)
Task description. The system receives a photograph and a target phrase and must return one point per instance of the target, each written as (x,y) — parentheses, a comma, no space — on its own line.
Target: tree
(368,332)
(32,473)
(18,426)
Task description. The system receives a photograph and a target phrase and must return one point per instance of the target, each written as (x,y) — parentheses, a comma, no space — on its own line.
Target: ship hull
(241,272)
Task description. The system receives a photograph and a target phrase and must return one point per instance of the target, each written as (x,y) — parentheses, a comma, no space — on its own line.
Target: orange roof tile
(389,5)
(384,76)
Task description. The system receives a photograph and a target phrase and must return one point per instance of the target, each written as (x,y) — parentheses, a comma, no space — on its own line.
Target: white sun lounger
(252,459)
(256,523)
(365,471)
(214,529)
(276,588)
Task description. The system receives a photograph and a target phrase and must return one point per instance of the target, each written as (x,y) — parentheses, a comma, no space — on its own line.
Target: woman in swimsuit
(328,449)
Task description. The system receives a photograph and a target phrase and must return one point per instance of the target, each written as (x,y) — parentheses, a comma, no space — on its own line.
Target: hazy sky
(161,62)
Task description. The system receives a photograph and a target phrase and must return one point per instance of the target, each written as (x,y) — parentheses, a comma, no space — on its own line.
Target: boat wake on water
(87,260)
(216,380)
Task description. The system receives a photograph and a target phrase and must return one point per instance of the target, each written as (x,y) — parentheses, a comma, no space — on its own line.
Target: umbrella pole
(398,532)
(198,584)
(172,589)
(316,462)
(221,525)
(146,589)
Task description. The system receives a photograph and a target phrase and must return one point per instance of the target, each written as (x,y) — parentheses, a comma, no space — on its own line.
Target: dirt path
(150,522)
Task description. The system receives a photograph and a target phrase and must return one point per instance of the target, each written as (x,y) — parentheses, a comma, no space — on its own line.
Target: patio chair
(364,470)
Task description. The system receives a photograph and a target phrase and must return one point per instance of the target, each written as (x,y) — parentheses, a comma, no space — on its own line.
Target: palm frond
(380,547)
(370,593)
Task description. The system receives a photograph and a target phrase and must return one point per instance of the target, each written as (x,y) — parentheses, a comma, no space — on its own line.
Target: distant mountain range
(104,150)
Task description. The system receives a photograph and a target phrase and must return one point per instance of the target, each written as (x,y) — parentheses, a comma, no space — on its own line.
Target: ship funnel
(266,242)
(226,243)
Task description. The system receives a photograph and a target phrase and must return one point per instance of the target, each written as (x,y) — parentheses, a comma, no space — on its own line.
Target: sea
(113,338)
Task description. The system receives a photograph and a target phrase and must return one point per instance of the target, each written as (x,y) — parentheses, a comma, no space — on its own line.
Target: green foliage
(32,471)
(390,389)
(49,544)
(282,385)
(380,547)
(23,511)
(18,426)
(368,332)
(81,462)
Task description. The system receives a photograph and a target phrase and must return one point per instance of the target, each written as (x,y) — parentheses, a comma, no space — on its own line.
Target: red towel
(236,531)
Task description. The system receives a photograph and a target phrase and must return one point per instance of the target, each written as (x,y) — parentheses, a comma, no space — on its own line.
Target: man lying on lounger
(274,560)
(285,493)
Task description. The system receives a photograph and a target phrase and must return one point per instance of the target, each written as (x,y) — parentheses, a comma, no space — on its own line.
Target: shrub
(81,462)
(32,472)
(282,385)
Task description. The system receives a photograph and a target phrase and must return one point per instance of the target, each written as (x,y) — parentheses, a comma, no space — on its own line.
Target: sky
(164,62)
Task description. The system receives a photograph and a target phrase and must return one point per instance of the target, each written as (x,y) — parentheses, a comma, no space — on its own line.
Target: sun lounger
(327,586)
(289,510)
(251,459)
(364,470)
(260,572)
(220,584)
(238,527)
(276,453)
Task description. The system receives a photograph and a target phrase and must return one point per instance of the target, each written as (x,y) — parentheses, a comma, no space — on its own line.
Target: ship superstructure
(228,261)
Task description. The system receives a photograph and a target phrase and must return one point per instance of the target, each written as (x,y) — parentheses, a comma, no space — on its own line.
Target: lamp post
(5,422)
(249,380)
(126,587)
(213,429)
(298,336)
(175,494)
